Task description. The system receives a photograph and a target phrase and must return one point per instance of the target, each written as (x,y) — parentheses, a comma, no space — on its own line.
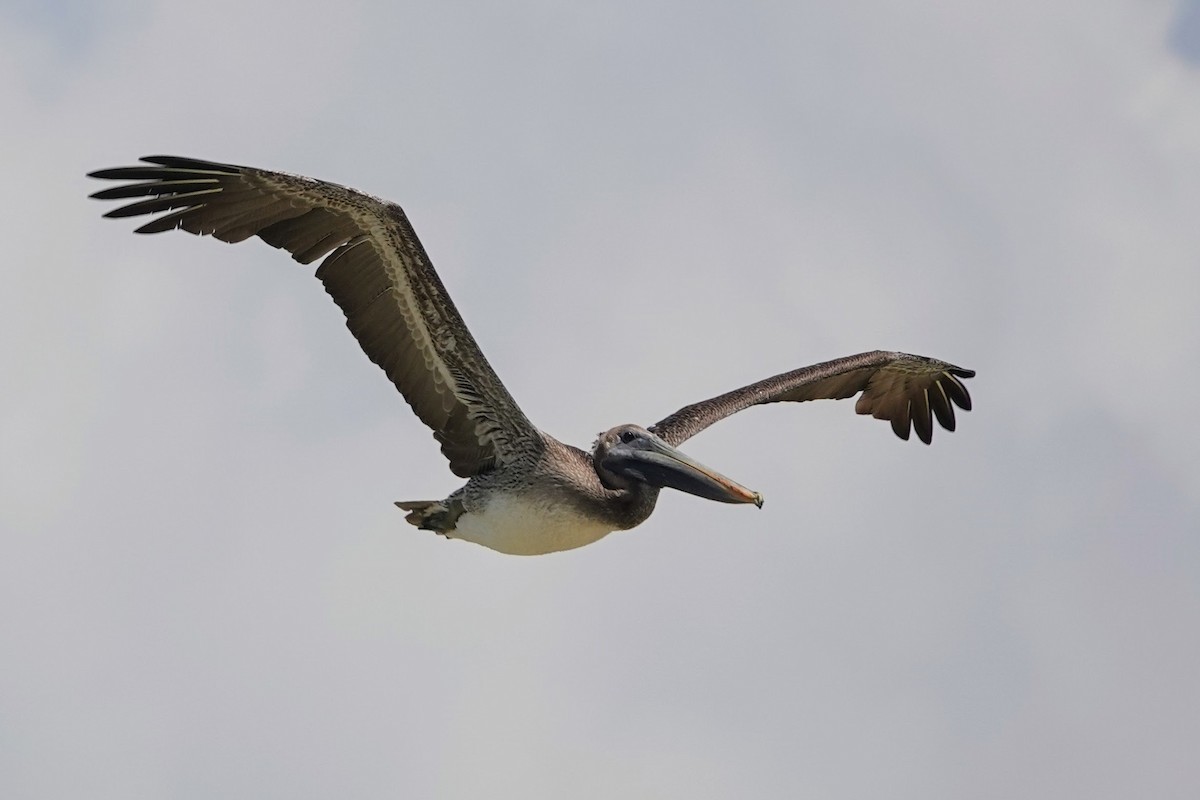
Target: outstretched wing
(905,389)
(376,270)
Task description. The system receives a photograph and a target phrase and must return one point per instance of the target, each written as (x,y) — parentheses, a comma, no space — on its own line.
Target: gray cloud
(207,592)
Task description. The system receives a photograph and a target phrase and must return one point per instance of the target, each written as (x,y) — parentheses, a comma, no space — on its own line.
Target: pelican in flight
(527,493)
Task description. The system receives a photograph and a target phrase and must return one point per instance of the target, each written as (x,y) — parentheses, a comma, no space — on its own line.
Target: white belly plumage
(517,526)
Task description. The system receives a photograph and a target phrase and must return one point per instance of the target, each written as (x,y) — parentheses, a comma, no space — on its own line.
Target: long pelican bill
(659,464)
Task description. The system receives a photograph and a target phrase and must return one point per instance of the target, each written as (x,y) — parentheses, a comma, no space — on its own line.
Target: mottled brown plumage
(375,269)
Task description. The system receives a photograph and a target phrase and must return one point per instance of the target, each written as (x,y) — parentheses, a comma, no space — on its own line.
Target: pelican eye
(628,436)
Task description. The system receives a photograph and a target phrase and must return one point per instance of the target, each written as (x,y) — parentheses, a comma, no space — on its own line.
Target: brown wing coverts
(375,269)
(907,390)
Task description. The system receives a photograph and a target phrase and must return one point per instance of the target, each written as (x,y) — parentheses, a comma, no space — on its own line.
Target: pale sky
(205,590)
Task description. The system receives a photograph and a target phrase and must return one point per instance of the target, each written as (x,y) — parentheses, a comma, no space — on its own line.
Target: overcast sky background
(205,590)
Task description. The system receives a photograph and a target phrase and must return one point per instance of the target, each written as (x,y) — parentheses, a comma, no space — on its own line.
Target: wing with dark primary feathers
(376,270)
(907,390)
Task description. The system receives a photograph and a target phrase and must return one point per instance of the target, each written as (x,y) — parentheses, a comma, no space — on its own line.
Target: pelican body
(527,493)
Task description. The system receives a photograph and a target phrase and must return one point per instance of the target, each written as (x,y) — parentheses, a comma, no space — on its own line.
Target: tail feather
(431,515)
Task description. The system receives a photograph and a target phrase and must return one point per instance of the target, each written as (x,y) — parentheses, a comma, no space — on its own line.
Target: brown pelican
(527,492)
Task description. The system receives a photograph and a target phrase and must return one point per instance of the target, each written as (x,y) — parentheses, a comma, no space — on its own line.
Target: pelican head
(628,455)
